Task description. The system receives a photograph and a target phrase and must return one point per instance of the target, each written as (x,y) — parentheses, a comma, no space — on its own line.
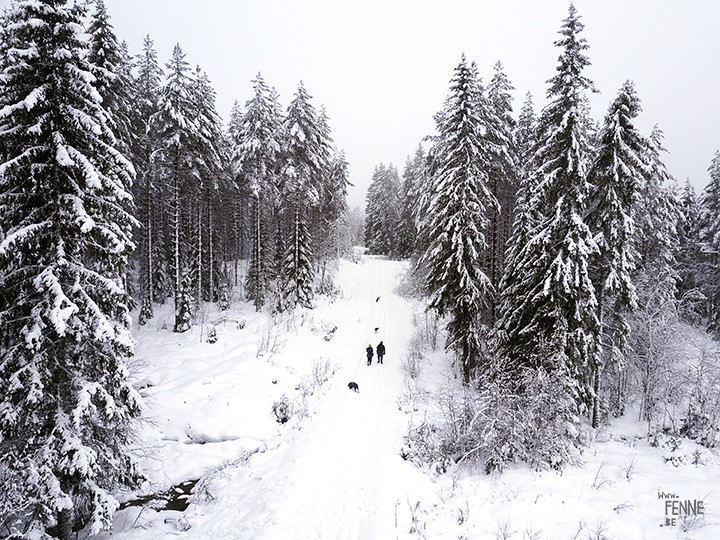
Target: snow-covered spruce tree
(209,170)
(154,279)
(306,156)
(525,136)
(331,233)
(111,67)
(549,308)
(709,222)
(65,403)
(694,283)
(618,171)
(656,215)
(328,218)
(652,326)
(180,155)
(256,161)
(502,174)
(460,203)
(412,182)
(382,211)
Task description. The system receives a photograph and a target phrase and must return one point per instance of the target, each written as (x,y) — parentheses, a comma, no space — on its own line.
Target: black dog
(353,386)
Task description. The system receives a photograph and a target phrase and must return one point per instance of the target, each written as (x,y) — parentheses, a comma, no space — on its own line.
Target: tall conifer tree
(549,309)
(186,151)
(65,403)
(306,157)
(616,175)
(256,160)
(502,174)
(456,224)
(709,224)
(153,269)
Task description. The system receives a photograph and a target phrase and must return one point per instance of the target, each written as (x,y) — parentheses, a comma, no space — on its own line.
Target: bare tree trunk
(149,232)
(258,258)
(211,284)
(176,236)
(199,258)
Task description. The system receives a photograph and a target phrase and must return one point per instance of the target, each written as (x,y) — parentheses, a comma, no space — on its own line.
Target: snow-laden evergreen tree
(456,224)
(209,169)
(656,218)
(619,170)
(256,160)
(525,137)
(186,148)
(112,74)
(412,183)
(382,211)
(65,402)
(692,263)
(329,217)
(502,174)
(331,236)
(709,224)
(549,308)
(154,274)
(306,157)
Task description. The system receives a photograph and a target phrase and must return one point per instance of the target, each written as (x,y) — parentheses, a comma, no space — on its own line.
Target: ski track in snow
(336,490)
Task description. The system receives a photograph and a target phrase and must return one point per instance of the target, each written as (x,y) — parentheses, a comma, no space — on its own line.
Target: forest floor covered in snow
(335,469)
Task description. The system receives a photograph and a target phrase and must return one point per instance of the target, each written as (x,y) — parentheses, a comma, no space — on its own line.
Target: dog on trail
(353,386)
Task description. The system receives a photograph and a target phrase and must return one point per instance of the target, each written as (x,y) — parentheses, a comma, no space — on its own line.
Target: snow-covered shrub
(320,371)
(427,328)
(271,341)
(496,425)
(549,417)
(329,330)
(327,287)
(183,316)
(422,446)
(412,396)
(212,336)
(282,410)
(411,362)
(701,422)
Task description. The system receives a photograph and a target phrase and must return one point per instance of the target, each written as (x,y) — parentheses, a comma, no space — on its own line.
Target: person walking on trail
(380,352)
(369,352)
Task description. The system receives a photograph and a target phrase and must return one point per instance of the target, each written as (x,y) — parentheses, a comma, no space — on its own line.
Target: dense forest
(121,187)
(557,252)
(563,259)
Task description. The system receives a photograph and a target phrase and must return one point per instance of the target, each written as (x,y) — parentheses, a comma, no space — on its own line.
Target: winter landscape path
(342,484)
(333,472)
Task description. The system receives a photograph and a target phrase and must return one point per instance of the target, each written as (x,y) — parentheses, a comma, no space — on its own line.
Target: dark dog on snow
(353,386)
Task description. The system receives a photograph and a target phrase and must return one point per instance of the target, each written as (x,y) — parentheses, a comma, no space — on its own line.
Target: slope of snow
(334,470)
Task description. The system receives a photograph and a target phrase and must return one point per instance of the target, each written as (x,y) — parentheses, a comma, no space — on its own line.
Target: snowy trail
(335,475)
(336,489)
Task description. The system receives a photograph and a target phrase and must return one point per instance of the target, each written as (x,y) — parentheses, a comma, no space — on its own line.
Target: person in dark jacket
(380,352)
(369,352)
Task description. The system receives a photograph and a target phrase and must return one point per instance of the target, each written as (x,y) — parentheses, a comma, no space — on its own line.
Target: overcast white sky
(382,67)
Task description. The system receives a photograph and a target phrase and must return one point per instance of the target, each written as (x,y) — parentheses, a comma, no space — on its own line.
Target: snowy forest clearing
(335,471)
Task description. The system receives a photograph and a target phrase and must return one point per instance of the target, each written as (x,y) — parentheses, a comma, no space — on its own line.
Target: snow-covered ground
(335,471)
